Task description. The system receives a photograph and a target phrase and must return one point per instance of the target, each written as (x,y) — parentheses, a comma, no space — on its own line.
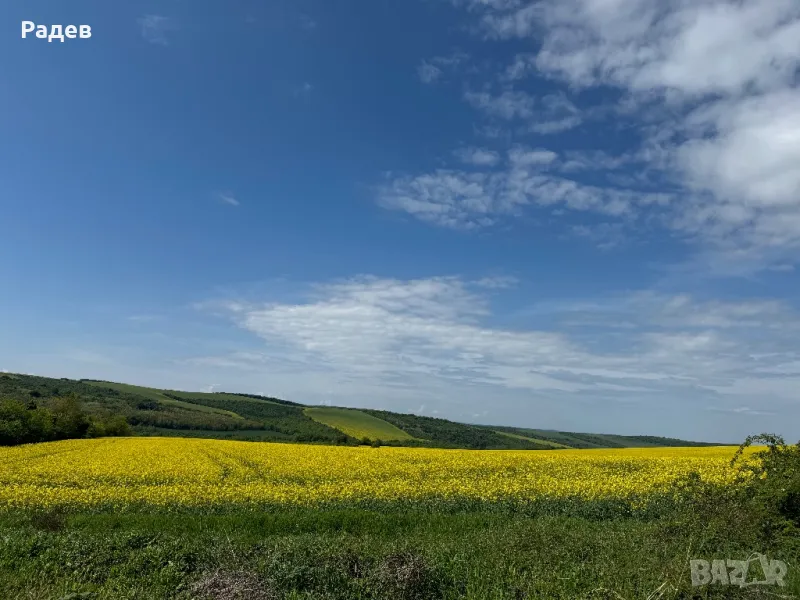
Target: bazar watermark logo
(735,572)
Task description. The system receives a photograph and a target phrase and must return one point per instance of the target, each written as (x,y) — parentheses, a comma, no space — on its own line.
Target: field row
(122,472)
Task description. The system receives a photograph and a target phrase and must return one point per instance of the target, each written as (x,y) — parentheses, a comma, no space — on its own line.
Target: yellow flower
(175,472)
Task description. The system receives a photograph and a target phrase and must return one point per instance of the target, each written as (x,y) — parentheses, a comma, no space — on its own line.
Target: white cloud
(431,333)
(498,282)
(305,88)
(695,48)
(604,235)
(142,318)
(518,22)
(428,73)
(479,157)
(228,198)
(307,23)
(468,200)
(522,66)
(433,69)
(523,157)
(555,126)
(507,105)
(743,410)
(597,160)
(751,166)
(483,4)
(715,84)
(556,114)
(552,113)
(154,28)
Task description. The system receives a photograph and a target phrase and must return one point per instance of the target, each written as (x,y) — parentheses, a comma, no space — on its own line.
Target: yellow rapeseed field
(167,472)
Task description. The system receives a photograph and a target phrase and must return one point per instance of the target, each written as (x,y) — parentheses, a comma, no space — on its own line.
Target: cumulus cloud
(468,200)
(506,105)
(479,157)
(548,114)
(428,73)
(411,333)
(710,86)
(694,48)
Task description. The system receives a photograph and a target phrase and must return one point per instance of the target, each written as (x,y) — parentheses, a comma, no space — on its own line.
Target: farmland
(357,424)
(183,518)
(164,472)
(180,507)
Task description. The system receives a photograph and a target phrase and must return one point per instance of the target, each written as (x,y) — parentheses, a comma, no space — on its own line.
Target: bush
(96,429)
(117,426)
(764,505)
(68,419)
(772,480)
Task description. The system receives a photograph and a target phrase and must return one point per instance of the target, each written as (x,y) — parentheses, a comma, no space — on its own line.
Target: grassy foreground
(342,554)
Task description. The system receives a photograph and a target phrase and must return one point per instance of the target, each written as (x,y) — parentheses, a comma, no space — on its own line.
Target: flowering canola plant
(181,472)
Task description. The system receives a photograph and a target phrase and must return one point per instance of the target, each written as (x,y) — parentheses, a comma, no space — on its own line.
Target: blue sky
(574,214)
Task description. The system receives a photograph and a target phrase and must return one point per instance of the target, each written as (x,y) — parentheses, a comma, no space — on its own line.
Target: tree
(117,426)
(68,419)
(40,425)
(24,424)
(21,425)
(12,422)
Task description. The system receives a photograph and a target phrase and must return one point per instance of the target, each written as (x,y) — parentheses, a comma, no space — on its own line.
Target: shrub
(773,479)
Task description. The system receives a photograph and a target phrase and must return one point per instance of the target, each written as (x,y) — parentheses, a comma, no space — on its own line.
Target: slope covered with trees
(32,409)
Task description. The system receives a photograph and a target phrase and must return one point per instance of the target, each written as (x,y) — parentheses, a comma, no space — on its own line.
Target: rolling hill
(595,440)
(157,412)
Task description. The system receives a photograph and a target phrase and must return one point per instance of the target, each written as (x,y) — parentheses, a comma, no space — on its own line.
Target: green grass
(530,439)
(244,435)
(576,550)
(217,396)
(310,554)
(596,440)
(448,434)
(357,424)
(158,396)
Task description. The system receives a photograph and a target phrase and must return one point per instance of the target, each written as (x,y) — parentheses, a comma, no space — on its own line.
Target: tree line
(61,419)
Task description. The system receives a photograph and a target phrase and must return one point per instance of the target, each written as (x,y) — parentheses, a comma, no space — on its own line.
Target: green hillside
(553,445)
(185,414)
(357,424)
(596,440)
(160,396)
(442,433)
(157,412)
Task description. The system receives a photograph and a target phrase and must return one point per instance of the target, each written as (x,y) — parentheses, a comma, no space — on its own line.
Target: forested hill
(36,408)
